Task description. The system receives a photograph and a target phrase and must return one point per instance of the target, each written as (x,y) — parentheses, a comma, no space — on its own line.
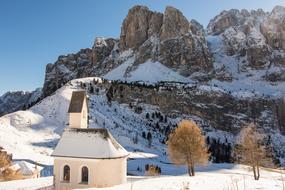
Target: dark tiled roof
(76,102)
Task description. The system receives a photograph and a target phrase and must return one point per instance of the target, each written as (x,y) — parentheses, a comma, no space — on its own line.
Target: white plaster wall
(102,172)
(75,120)
(84,112)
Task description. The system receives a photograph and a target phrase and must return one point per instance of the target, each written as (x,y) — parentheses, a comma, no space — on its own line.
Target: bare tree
(250,150)
(186,146)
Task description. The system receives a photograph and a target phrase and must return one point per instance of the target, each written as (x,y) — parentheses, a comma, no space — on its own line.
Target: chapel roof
(90,143)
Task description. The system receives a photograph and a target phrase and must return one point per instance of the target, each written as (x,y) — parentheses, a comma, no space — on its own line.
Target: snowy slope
(32,134)
(149,72)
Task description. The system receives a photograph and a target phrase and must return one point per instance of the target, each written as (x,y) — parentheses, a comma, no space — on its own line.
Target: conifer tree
(149,138)
(250,150)
(186,146)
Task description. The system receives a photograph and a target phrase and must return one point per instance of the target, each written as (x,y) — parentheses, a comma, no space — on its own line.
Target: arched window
(84,174)
(66,173)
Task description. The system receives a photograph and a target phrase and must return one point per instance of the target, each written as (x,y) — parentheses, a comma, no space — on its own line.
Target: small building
(26,169)
(87,157)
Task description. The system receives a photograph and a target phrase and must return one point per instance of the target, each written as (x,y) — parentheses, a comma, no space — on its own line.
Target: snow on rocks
(149,72)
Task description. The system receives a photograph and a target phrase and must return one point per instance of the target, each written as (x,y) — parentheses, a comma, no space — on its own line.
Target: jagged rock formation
(66,68)
(14,101)
(218,108)
(138,26)
(255,39)
(168,38)
(273,28)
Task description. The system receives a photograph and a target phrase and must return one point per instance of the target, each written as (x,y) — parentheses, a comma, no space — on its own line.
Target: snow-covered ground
(27,184)
(213,177)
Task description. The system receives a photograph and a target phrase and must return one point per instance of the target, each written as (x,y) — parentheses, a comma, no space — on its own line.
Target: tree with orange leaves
(186,146)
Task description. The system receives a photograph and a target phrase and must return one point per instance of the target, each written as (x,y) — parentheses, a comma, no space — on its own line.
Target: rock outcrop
(168,38)
(138,26)
(219,108)
(87,62)
(273,28)
(141,23)
(254,39)
(174,24)
(67,68)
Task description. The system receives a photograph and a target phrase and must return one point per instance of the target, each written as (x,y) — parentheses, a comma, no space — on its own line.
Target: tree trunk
(192,170)
(254,172)
(189,170)
(258,174)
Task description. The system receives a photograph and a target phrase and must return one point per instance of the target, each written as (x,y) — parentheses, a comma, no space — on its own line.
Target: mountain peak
(139,24)
(278,9)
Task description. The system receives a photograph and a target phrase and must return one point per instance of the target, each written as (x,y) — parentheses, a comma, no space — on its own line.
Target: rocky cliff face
(218,108)
(165,37)
(103,57)
(255,39)
(236,45)
(169,38)
(273,28)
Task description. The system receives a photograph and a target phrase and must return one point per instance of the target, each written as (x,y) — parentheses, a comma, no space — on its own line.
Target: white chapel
(87,157)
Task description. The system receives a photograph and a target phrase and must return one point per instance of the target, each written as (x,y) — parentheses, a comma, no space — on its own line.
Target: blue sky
(35,32)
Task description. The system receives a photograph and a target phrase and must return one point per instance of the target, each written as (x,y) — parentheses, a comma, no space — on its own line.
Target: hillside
(38,129)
